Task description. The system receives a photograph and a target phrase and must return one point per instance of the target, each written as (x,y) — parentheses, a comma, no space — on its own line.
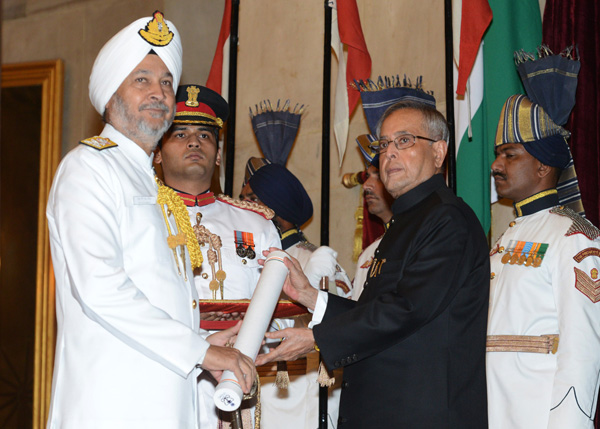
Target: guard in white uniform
(129,346)
(543,360)
(232,234)
(543,345)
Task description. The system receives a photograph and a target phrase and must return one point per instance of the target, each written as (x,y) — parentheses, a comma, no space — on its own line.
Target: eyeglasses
(403,141)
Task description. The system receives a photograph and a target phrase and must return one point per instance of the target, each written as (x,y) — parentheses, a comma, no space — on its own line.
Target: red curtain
(577,22)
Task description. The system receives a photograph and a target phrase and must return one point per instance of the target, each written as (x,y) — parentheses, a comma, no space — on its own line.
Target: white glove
(322,263)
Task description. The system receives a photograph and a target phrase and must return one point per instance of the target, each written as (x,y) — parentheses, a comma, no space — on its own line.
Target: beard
(139,127)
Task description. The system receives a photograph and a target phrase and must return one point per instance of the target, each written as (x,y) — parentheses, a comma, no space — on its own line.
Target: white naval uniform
(298,406)
(362,268)
(535,390)
(223,219)
(128,336)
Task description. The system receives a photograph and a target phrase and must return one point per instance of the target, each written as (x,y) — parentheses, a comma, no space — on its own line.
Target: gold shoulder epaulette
(99,143)
(580,224)
(265,212)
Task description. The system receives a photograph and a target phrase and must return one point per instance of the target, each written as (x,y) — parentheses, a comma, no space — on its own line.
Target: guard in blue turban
(268,182)
(543,348)
(281,191)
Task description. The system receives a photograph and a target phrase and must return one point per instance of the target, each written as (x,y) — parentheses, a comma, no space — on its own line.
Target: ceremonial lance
(228,395)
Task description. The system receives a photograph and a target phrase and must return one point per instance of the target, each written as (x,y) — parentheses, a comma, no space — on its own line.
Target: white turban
(121,54)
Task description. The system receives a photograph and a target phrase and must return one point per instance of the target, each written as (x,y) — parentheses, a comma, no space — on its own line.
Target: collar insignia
(192,100)
(157,32)
(99,143)
(199,200)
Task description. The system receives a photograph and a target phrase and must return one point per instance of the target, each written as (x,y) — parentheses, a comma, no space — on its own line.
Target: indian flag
(516,24)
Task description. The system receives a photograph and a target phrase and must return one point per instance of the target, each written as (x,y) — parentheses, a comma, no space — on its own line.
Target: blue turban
(282,192)
(536,120)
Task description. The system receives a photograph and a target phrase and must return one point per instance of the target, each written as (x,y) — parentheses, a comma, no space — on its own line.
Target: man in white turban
(129,347)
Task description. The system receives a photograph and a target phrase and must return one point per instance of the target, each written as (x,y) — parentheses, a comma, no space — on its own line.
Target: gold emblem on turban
(157,32)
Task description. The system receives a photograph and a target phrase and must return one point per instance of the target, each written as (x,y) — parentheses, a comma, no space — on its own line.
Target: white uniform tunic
(128,336)
(298,406)
(362,268)
(242,273)
(537,390)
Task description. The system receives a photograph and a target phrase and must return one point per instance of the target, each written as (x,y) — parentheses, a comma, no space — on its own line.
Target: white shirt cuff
(320,308)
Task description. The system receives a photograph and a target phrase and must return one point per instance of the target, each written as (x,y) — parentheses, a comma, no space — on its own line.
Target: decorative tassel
(282,380)
(324,379)
(387,82)
(266,106)
(257,407)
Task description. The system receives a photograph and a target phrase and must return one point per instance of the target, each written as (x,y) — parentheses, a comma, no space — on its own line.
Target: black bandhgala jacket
(413,346)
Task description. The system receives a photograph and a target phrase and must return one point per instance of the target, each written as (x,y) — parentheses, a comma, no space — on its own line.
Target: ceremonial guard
(543,359)
(232,234)
(378,202)
(268,182)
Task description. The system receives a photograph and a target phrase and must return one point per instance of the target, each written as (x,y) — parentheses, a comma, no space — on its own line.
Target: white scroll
(229,395)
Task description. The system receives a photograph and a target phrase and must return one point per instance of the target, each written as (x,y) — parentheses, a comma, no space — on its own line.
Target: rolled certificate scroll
(229,395)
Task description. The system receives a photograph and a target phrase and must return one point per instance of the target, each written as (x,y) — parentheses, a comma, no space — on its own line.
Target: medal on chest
(244,244)
(527,253)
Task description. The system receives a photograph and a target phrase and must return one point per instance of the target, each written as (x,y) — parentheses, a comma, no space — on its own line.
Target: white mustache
(157,105)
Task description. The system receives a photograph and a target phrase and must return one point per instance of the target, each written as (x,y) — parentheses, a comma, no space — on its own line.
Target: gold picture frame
(49,75)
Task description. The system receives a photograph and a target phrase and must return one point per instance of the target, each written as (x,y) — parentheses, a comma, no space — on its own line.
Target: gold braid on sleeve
(173,201)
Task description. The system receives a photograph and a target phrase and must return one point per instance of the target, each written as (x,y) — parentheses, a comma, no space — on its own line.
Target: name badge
(138,201)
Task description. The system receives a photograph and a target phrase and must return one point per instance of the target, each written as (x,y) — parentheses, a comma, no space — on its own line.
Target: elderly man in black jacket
(413,346)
